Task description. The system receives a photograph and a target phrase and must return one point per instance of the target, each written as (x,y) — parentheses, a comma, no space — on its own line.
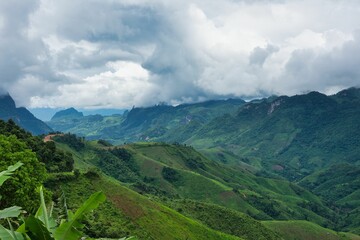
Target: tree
(20,190)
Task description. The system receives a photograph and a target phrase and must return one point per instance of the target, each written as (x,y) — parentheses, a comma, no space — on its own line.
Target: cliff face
(21,116)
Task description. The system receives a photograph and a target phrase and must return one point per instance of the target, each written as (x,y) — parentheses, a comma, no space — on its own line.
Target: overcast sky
(120,53)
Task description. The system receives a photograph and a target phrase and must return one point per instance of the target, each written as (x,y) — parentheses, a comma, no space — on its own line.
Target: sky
(124,53)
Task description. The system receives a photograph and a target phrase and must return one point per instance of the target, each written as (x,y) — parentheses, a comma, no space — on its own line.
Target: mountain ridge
(21,116)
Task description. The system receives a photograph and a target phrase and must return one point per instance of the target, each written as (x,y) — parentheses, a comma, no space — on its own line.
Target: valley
(272,168)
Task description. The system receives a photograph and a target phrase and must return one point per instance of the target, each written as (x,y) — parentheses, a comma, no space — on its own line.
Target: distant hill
(21,116)
(291,136)
(70,113)
(138,124)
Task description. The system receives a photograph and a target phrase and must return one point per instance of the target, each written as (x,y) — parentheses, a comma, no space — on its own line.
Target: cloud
(123,53)
(124,84)
(259,55)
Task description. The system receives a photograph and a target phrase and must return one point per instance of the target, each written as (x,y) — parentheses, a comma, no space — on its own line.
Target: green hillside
(291,136)
(176,171)
(126,212)
(163,191)
(287,136)
(223,219)
(144,123)
(339,186)
(304,230)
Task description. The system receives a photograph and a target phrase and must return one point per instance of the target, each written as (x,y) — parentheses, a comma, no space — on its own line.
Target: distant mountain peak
(21,116)
(67,113)
(6,101)
(349,94)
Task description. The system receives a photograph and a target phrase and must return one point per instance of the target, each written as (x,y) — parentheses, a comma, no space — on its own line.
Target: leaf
(13,211)
(36,229)
(5,175)
(42,213)
(67,230)
(6,234)
(90,204)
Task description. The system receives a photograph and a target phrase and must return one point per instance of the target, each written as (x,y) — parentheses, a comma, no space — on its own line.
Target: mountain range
(274,168)
(289,136)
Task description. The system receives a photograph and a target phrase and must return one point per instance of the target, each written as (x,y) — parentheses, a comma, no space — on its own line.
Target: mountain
(146,123)
(70,113)
(310,140)
(21,116)
(287,136)
(290,136)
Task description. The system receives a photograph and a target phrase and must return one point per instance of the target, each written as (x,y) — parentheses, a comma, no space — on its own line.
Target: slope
(290,136)
(339,185)
(176,171)
(21,116)
(145,123)
(304,230)
(128,213)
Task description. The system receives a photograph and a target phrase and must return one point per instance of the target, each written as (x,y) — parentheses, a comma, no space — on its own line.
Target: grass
(304,230)
(129,213)
(201,179)
(223,219)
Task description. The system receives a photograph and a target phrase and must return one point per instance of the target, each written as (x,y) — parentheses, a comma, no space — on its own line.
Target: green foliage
(72,140)
(171,175)
(5,175)
(43,227)
(303,230)
(118,164)
(126,213)
(10,212)
(338,185)
(13,211)
(70,230)
(54,159)
(104,143)
(126,157)
(6,234)
(21,188)
(223,219)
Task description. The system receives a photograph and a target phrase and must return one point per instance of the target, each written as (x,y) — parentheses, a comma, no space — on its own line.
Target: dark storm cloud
(16,50)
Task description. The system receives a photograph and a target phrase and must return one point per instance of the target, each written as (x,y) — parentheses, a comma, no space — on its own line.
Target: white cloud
(120,53)
(123,85)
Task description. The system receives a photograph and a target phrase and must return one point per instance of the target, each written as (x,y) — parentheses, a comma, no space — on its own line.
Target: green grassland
(180,172)
(223,219)
(126,212)
(304,230)
(339,186)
